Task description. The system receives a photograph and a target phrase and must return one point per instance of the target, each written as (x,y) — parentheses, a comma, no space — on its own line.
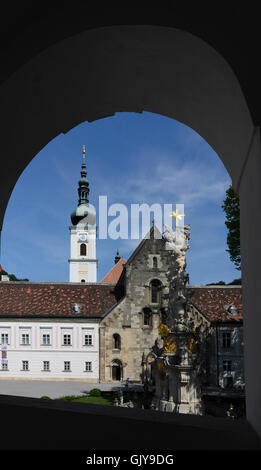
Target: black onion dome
(86,212)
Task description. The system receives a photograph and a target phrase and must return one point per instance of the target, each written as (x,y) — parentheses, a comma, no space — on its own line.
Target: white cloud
(184,182)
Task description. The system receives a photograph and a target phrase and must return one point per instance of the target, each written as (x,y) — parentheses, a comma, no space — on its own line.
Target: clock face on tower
(82,237)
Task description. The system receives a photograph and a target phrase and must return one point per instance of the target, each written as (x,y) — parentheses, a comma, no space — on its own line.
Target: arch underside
(111,69)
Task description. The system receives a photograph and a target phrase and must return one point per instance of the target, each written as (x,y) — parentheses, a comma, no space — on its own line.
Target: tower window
(83,249)
(155,262)
(116,341)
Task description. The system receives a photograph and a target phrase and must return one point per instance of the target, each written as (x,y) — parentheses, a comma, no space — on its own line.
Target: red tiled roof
(114,274)
(55,299)
(1,269)
(211,302)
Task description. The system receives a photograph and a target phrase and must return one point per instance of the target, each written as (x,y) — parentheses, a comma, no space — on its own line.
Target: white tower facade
(83,262)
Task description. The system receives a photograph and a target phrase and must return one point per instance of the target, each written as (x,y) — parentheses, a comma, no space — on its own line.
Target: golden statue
(163,330)
(170,346)
(192,345)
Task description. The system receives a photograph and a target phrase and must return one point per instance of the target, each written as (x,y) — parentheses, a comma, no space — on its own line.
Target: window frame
(88,342)
(65,341)
(155,286)
(4,334)
(25,366)
(46,335)
(116,341)
(147,314)
(226,340)
(44,366)
(227,365)
(85,249)
(86,368)
(65,365)
(25,339)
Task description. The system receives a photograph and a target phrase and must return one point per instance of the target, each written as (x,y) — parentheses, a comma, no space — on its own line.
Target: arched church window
(116,341)
(83,249)
(155,288)
(155,262)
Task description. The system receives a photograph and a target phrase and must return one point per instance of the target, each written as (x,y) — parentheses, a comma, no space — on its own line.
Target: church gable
(148,262)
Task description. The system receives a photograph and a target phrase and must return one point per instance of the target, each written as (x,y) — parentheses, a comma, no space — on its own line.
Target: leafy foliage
(231,207)
(12,277)
(95,392)
(95,400)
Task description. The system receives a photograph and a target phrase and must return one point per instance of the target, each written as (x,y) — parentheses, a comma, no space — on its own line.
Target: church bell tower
(82,261)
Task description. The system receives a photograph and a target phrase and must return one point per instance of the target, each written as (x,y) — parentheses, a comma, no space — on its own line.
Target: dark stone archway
(160,69)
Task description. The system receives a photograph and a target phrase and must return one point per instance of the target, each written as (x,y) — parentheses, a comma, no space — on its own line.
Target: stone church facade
(128,331)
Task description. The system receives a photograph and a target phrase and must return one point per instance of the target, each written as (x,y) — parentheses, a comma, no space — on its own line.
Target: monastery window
(155,288)
(67,366)
(226,339)
(67,339)
(83,249)
(46,339)
(5,365)
(116,341)
(46,365)
(25,365)
(88,366)
(155,262)
(25,338)
(88,340)
(4,338)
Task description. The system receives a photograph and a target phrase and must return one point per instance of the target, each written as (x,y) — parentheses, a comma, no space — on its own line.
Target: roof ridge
(67,283)
(114,269)
(233,286)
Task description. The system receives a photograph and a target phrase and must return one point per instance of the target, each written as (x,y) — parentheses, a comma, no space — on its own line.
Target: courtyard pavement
(54,389)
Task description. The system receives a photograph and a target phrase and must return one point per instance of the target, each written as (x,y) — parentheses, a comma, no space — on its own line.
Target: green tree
(12,277)
(231,207)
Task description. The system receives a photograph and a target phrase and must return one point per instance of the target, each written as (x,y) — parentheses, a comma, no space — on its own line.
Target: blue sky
(131,158)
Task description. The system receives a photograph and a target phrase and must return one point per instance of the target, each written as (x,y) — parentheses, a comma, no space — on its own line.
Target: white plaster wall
(56,353)
(73,271)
